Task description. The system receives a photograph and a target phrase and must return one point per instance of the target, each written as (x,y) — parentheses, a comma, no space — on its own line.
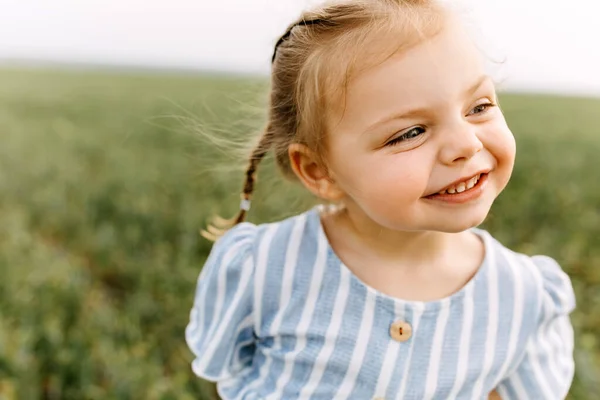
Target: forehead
(432,73)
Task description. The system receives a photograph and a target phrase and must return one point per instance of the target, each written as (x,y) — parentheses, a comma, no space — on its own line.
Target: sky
(546,45)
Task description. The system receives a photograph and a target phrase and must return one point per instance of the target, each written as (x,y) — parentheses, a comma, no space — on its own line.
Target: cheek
(385,178)
(500,142)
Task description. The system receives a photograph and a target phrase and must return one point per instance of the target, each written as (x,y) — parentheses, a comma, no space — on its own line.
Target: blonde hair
(312,64)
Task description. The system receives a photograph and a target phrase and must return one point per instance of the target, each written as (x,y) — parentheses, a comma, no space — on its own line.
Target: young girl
(382,109)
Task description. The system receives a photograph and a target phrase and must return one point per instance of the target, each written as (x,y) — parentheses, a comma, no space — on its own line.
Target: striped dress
(277,315)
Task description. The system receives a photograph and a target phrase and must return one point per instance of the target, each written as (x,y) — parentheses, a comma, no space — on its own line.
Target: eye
(481,108)
(408,135)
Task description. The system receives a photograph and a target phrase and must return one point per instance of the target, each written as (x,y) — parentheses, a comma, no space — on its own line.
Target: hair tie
(245,205)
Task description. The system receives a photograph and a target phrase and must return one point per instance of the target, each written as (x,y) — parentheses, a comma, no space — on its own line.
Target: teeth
(472,182)
(461,187)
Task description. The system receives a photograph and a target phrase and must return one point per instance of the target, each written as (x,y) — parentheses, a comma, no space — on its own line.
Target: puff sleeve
(220,330)
(547,368)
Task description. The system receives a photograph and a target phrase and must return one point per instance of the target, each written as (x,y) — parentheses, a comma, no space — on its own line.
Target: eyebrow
(415,112)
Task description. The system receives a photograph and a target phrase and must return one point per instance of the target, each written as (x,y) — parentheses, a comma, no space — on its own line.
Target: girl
(382,109)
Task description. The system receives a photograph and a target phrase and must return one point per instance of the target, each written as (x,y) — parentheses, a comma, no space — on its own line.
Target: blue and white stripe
(277,315)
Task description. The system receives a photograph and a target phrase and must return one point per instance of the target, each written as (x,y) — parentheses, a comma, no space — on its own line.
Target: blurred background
(107,174)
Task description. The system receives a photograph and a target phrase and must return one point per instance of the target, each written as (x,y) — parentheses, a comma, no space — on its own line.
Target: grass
(106,178)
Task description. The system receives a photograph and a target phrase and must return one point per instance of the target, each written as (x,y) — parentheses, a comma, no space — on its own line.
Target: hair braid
(220,225)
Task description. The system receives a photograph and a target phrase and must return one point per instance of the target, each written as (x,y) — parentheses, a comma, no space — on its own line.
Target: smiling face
(412,127)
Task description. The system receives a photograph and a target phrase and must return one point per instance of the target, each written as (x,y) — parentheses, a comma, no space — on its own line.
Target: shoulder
(235,244)
(542,366)
(248,240)
(540,275)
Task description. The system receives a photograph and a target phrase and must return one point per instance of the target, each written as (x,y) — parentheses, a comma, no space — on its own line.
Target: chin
(461,224)
(457,228)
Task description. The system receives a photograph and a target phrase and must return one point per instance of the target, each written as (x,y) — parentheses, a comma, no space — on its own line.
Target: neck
(401,247)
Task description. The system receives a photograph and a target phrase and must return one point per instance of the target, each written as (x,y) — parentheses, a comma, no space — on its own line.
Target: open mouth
(462,186)
(461,189)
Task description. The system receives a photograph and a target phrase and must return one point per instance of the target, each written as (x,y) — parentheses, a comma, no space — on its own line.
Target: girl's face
(415,125)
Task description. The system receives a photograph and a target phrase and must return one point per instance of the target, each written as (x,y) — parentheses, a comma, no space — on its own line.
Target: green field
(106,178)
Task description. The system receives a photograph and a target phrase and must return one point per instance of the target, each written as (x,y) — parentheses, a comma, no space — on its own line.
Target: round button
(401,331)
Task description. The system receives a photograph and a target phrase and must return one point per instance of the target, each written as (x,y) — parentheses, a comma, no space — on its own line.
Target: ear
(313,175)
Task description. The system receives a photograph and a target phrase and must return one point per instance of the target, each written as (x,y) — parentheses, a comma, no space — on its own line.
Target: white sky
(548,44)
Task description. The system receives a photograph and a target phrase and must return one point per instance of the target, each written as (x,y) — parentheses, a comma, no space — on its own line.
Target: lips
(462,184)
(466,196)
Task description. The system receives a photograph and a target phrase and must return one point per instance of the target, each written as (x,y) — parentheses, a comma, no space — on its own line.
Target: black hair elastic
(289,32)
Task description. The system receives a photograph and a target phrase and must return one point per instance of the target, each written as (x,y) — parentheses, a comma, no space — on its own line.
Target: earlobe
(313,175)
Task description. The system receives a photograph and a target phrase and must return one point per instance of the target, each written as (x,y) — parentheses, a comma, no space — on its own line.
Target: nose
(460,144)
